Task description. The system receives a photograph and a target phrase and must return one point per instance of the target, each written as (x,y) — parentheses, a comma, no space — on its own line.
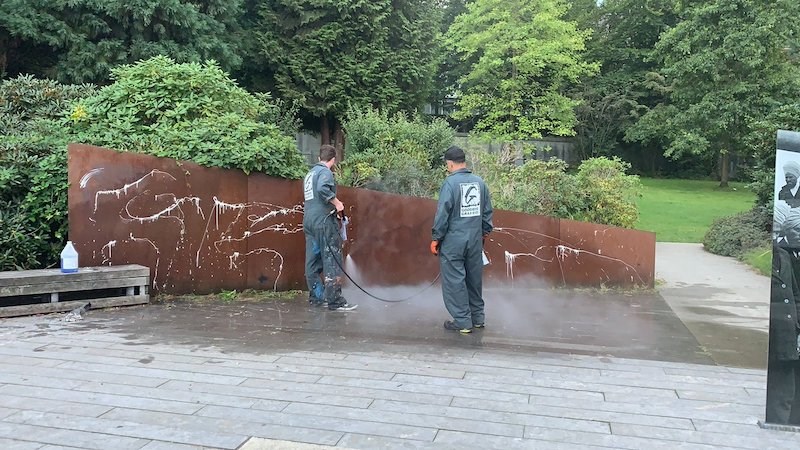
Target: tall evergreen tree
(81,40)
(331,54)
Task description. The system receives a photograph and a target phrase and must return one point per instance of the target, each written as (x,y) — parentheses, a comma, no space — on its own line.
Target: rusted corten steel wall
(203,230)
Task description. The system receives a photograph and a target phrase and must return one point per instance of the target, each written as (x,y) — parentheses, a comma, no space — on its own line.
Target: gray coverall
(463,217)
(323,241)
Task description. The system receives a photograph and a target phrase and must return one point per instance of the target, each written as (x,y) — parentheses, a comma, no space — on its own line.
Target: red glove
(435,247)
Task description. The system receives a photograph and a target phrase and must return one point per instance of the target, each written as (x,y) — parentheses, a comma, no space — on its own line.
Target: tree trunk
(338,139)
(653,165)
(5,46)
(725,169)
(325,131)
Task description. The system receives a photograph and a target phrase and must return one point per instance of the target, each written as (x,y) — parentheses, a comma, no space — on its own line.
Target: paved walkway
(280,375)
(723,302)
(79,385)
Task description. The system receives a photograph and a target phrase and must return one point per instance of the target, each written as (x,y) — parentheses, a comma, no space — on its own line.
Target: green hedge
(600,191)
(394,153)
(192,111)
(738,234)
(33,202)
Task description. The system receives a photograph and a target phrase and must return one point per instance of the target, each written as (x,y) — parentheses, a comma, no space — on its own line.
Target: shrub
(184,111)
(536,187)
(18,239)
(394,153)
(600,192)
(736,235)
(609,194)
(33,177)
(191,112)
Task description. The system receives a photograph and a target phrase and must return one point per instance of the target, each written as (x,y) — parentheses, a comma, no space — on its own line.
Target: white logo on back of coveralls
(470,200)
(308,186)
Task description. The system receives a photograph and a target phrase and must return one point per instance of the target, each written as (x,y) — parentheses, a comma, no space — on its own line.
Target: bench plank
(31,277)
(43,308)
(69,285)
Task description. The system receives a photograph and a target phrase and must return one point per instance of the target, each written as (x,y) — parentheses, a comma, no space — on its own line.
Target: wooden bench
(132,277)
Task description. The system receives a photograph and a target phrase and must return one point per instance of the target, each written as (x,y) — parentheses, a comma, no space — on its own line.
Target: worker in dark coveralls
(463,219)
(322,230)
(783,373)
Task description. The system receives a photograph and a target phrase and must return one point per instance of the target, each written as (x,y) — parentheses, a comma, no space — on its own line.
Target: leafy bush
(536,187)
(184,111)
(610,194)
(393,153)
(19,240)
(29,130)
(600,192)
(33,176)
(736,235)
(191,112)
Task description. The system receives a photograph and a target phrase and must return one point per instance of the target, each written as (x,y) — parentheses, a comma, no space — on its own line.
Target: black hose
(364,290)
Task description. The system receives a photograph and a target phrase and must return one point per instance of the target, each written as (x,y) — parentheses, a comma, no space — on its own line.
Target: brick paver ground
(89,385)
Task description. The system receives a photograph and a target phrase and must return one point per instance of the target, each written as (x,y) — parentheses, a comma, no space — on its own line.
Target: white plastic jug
(69,259)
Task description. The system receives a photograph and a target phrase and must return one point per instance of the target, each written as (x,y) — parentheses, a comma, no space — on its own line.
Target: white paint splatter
(562,251)
(124,189)
(110,245)
(85,179)
(158,255)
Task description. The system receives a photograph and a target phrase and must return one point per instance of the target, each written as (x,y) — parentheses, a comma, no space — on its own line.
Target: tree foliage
(761,142)
(724,67)
(394,153)
(33,216)
(82,40)
(624,35)
(190,112)
(330,54)
(525,57)
(450,67)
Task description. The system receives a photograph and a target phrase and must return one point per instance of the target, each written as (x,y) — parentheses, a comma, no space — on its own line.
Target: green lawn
(682,210)
(760,259)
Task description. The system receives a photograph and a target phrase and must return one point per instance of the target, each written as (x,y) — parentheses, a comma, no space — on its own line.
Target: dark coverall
(783,372)
(323,241)
(463,217)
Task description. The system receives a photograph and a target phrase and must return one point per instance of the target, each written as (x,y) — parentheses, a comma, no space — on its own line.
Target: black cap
(455,154)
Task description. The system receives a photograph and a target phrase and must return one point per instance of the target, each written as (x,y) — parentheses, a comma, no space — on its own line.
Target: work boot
(313,301)
(341,305)
(450,325)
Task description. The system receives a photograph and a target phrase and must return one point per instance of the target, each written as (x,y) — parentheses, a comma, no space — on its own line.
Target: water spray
(344,237)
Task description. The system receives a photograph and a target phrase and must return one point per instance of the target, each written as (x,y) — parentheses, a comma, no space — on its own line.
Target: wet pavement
(723,302)
(555,368)
(628,325)
(265,375)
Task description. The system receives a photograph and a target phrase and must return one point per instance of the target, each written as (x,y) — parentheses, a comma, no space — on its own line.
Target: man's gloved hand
(435,247)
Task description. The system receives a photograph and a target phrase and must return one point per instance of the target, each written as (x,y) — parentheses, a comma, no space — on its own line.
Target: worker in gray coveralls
(322,230)
(463,219)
